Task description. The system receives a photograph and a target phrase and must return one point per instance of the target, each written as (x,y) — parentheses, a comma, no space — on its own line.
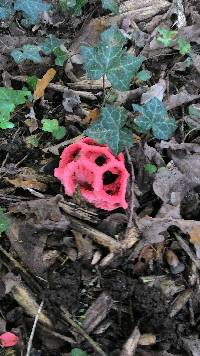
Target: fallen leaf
(179,99)
(195,235)
(156,90)
(27,184)
(43,83)
(92,115)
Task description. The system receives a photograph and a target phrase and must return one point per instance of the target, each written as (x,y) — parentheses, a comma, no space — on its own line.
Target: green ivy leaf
(4,222)
(31,9)
(104,59)
(150,168)
(166,36)
(52,126)
(110,5)
(78,352)
(109,129)
(74,7)
(143,75)
(113,37)
(6,9)
(50,44)
(60,56)
(154,117)
(27,52)
(183,46)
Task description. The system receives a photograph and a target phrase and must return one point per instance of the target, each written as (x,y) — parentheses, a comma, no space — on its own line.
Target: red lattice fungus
(101,176)
(8,339)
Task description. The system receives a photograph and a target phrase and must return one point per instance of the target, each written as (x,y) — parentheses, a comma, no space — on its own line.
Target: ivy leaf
(154,117)
(166,36)
(109,129)
(113,37)
(60,56)
(4,222)
(143,75)
(110,5)
(27,52)
(78,352)
(112,61)
(6,9)
(50,44)
(31,9)
(183,46)
(52,126)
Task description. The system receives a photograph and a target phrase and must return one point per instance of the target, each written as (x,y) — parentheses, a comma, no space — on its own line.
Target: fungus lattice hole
(100,161)
(109,178)
(87,186)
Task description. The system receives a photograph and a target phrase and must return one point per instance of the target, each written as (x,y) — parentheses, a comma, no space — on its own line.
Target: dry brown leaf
(195,235)
(27,184)
(43,83)
(92,115)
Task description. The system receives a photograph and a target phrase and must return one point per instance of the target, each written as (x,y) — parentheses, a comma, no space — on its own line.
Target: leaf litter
(122,282)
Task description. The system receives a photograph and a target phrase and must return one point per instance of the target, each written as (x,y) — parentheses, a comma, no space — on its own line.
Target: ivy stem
(103,90)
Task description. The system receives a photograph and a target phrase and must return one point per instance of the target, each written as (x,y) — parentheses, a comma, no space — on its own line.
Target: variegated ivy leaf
(29,52)
(6,9)
(111,60)
(31,9)
(109,129)
(50,44)
(154,117)
(110,5)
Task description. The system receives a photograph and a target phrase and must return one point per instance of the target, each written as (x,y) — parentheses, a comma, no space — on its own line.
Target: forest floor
(120,282)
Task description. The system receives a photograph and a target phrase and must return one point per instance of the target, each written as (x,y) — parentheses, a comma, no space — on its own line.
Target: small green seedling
(9,99)
(4,222)
(170,38)
(52,126)
(154,117)
(167,37)
(143,75)
(150,168)
(31,82)
(110,129)
(32,141)
(183,46)
(109,59)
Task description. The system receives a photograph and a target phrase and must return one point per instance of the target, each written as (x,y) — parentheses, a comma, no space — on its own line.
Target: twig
(30,341)
(96,235)
(132,201)
(187,249)
(66,316)
(60,88)
(131,344)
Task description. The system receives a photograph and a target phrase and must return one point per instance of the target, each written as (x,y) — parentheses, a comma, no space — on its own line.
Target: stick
(30,341)
(81,331)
